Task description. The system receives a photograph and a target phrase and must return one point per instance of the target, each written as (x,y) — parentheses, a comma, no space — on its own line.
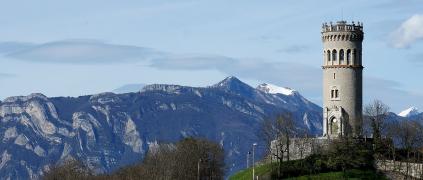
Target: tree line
(191,158)
(399,142)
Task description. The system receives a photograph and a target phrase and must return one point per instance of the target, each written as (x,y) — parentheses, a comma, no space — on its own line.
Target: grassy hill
(264,172)
(260,170)
(342,159)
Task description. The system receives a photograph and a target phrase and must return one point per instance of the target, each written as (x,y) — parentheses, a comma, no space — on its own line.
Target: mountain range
(107,131)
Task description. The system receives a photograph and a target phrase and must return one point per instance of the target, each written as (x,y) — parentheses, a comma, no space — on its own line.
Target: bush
(341,155)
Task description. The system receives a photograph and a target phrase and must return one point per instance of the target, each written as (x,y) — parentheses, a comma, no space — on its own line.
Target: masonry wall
(299,148)
(415,170)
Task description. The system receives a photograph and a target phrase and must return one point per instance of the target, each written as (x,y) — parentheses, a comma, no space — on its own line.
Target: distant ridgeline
(107,131)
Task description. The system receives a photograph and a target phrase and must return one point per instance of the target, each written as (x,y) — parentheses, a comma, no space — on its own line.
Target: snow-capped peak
(409,112)
(273,89)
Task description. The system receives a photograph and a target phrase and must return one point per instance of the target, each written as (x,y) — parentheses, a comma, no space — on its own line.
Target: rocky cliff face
(108,130)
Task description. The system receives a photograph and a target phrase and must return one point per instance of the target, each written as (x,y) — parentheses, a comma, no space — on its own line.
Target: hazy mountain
(108,130)
(128,88)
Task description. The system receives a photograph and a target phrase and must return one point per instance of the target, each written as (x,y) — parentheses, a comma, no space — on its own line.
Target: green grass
(261,170)
(349,174)
(265,170)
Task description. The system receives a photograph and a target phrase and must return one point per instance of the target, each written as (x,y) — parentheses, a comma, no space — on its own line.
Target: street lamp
(248,159)
(254,146)
(198,168)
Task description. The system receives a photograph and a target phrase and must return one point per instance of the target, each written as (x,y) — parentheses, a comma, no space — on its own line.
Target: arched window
(348,56)
(334,128)
(332,94)
(341,55)
(328,55)
(334,54)
(336,93)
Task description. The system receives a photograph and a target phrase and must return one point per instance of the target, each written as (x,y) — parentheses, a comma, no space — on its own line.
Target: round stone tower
(342,79)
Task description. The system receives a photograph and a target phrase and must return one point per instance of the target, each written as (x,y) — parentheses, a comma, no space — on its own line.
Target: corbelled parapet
(342,31)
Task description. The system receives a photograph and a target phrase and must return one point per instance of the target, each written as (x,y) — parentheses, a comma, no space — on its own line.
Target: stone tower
(342,79)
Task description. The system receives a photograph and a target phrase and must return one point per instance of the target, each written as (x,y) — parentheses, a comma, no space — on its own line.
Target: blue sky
(80,47)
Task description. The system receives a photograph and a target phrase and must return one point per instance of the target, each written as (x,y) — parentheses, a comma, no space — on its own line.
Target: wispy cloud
(307,79)
(293,49)
(193,62)
(79,52)
(409,32)
(11,47)
(6,75)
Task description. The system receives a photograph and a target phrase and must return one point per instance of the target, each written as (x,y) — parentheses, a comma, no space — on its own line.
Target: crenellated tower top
(348,32)
(342,26)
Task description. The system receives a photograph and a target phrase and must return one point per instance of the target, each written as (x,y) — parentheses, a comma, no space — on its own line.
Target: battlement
(342,31)
(342,26)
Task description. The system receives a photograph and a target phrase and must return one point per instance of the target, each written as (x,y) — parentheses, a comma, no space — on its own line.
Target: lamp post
(248,158)
(254,146)
(198,169)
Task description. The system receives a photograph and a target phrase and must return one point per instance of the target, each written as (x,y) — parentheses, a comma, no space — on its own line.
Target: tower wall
(342,79)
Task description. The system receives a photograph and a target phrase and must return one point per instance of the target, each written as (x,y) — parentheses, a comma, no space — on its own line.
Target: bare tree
(277,134)
(68,170)
(376,113)
(198,158)
(410,134)
(191,158)
(303,143)
(390,143)
(159,162)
